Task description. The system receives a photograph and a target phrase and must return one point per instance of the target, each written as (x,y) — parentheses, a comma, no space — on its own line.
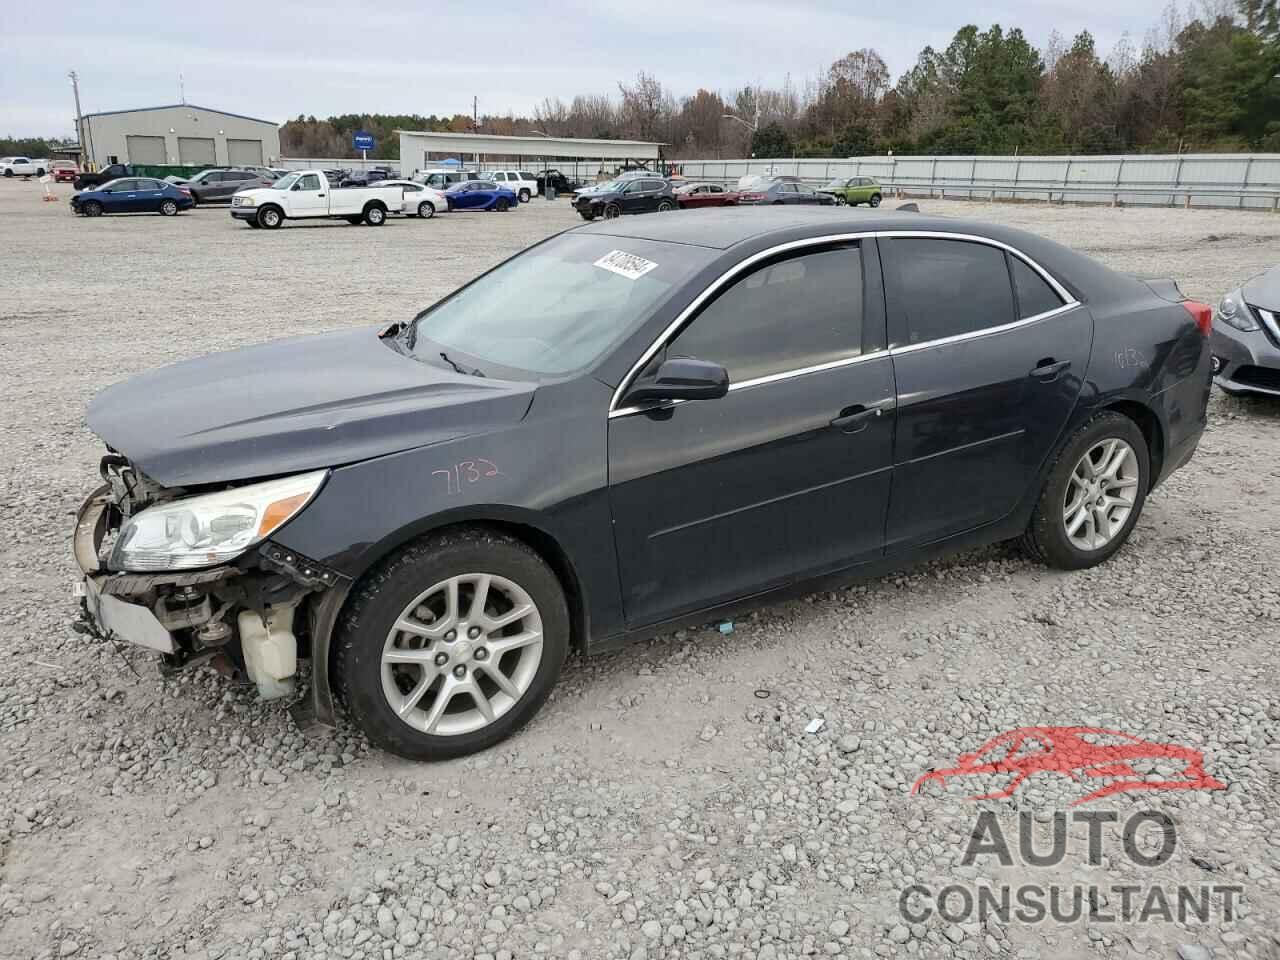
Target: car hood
(1264,290)
(295,404)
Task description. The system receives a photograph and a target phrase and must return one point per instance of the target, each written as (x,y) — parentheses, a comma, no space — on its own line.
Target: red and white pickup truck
(308,195)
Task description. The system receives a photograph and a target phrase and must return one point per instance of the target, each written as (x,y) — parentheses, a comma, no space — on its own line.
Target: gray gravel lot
(667,802)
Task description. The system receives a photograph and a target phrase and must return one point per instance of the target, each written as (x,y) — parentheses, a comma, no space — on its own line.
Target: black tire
(91,208)
(195,199)
(254,224)
(8,173)
(426,210)
(168,208)
(875,200)
(354,221)
(586,215)
(381,597)
(502,205)
(39,171)
(841,200)
(270,218)
(612,210)
(1046,537)
(665,206)
(524,195)
(375,215)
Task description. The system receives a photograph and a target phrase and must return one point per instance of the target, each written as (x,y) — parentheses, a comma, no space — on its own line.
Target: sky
(281,59)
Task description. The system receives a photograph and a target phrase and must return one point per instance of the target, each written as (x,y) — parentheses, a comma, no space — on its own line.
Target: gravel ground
(668,802)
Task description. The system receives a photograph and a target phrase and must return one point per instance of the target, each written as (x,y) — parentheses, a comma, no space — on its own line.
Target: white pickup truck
(23,167)
(308,195)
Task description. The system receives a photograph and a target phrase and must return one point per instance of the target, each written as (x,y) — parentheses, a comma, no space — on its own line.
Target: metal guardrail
(1243,181)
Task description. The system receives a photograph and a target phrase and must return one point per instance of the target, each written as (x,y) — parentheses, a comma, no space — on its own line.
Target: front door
(123,197)
(984,387)
(309,197)
(787,475)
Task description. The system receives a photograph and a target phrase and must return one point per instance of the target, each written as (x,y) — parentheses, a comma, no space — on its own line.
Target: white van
(442,178)
(520,182)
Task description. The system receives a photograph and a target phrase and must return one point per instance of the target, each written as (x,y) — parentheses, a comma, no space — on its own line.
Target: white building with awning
(420,150)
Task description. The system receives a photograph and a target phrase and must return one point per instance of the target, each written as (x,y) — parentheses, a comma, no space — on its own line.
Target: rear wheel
(875,199)
(270,218)
(451,645)
(195,199)
(91,208)
(39,171)
(1093,494)
(374,215)
(168,208)
(501,205)
(524,195)
(426,210)
(665,206)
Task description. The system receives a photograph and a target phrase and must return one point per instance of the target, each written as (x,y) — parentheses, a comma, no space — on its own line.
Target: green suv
(854,190)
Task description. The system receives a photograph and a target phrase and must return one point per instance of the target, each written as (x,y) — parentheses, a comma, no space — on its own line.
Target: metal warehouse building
(178,134)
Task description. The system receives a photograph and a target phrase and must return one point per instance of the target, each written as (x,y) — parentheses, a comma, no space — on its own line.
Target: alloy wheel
(462,654)
(1101,493)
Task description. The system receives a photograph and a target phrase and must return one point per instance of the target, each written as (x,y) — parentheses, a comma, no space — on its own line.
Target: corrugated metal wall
(1249,181)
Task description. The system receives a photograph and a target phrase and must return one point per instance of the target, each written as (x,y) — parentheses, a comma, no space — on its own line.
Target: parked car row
(644,192)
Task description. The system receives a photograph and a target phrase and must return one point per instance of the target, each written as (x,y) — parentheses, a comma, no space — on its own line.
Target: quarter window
(798,312)
(950,287)
(1034,295)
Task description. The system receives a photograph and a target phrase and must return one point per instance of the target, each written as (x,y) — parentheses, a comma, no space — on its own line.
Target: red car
(64,171)
(1077,753)
(705,195)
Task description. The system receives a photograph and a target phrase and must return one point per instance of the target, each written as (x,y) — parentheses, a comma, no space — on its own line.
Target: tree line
(1204,81)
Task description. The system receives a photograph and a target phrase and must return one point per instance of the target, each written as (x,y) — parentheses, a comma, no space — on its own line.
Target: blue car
(479,195)
(132,195)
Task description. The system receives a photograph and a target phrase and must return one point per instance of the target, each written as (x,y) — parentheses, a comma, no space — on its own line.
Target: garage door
(194,150)
(244,153)
(145,150)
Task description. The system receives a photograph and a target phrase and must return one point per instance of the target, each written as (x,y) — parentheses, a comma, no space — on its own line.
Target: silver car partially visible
(1246,337)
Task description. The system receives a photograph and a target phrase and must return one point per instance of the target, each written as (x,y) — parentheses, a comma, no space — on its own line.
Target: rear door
(787,475)
(150,193)
(989,358)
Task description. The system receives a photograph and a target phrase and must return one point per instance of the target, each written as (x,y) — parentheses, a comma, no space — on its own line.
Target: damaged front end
(192,573)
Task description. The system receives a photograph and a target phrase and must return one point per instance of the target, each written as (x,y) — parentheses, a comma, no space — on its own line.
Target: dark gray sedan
(1246,337)
(789,191)
(211,186)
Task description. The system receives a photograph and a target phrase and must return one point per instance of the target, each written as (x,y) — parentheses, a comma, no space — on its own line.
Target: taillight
(753,196)
(1203,314)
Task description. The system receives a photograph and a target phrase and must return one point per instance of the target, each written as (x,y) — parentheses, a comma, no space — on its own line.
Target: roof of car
(723,227)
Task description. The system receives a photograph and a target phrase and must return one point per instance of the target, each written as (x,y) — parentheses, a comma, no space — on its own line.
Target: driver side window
(309,182)
(798,312)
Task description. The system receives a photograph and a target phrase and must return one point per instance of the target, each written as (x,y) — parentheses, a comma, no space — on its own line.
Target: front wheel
(91,208)
(270,218)
(40,171)
(1092,496)
(586,215)
(168,208)
(451,645)
(612,210)
(426,210)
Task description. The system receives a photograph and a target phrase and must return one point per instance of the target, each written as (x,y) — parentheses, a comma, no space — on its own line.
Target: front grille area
(1261,377)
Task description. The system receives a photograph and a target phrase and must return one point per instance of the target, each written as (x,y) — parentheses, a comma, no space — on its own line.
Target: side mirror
(296,186)
(683,378)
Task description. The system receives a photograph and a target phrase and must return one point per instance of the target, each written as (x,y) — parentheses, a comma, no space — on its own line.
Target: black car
(622,430)
(786,190)
(633,194)
(87,180)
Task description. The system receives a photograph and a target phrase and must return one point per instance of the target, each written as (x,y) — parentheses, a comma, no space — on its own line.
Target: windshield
(284,183)
(557,307)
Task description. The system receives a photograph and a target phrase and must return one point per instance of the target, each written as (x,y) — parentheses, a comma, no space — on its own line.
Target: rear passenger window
(1034,295)
(794,313)
(949,287)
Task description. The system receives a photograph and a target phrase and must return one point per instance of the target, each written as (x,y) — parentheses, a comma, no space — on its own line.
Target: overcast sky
(276,60)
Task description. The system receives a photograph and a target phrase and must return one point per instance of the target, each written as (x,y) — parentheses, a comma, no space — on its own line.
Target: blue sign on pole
(362,140)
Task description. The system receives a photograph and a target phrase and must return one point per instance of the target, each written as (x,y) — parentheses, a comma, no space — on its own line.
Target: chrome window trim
(714,287)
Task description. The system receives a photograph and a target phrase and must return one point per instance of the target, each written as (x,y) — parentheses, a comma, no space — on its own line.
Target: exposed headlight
(1235,314)
(245,201)
(211,529)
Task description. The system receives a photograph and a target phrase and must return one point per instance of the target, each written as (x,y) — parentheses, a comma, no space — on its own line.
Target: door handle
(319,194)
(1047,370)
(856,419)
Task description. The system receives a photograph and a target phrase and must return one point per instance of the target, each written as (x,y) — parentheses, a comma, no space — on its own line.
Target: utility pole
(182,90)
(82,133)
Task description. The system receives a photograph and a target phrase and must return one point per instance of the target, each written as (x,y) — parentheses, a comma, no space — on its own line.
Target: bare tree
(645,106)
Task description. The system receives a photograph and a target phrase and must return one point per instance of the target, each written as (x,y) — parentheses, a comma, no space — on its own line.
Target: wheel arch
(375,202)
(1152,430)
(523,526)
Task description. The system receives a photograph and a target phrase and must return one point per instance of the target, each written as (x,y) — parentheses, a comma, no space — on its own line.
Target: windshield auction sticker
(625,264)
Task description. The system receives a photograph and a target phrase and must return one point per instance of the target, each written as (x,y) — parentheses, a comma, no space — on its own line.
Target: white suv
(523,184)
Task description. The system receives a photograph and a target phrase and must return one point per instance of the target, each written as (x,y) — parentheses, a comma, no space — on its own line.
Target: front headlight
(1236,314)
(211,529)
